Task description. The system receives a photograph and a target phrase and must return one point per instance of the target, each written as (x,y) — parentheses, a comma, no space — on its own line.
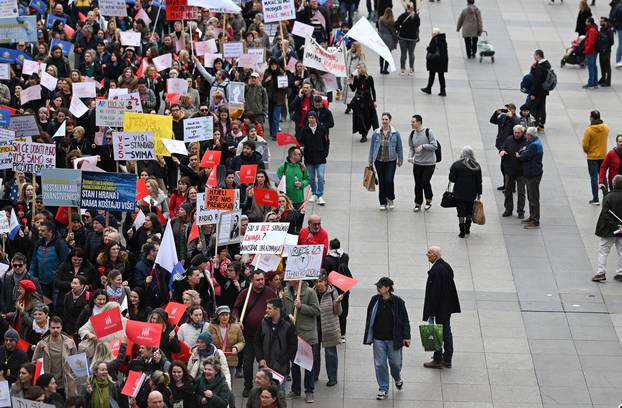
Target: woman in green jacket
(212,387)
(296,176)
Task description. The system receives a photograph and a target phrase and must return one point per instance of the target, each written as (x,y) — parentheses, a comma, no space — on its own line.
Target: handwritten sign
(304,262)
(302,30)
(24,125)
(278,10)
(203,215)
(221,199)
(84,89)
(206,47)
(110,112)
(31,157)
(198,129)
(264,238)
(160,125)
(110,8)
(333,61)
(133,145)
(7,137)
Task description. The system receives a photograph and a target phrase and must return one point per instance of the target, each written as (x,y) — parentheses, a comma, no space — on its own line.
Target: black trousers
(384,65)
(441,80)
(423,175)
(386,174)
(249,361)
(538,110)
(604,59)
(471,46)
(448,342)
(343,317)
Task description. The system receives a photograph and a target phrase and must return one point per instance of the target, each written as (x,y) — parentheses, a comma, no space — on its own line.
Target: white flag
(139,220)
(163,62)
(364,32)
(61,130)
(167,255)
(282,186)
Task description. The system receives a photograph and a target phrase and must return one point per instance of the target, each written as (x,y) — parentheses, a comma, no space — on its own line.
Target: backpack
(438,152)
(525,83)
(550,82)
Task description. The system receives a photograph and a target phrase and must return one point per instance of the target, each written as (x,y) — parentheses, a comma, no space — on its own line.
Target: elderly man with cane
(609,229)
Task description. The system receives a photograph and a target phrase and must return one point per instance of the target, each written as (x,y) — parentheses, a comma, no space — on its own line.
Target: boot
(467,226)
(462,226)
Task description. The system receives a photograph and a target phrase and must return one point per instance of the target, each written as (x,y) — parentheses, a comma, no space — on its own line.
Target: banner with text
(61,187)
(333,61)
(31,157)
(304,262)
(110,112)
(278,10)
(133,145)
(108,191)
(160,125)
(264,238)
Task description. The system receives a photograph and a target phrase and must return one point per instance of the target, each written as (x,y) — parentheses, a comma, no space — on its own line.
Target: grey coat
(387,34)
(427,157)
(470,21)
(256,101)
(330,310)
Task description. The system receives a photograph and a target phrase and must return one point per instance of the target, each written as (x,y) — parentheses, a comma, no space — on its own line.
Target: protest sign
(84,89)
(33,67)
(175,146)
(77,107)
(133,146)
(291,241)
(8,8)
(24,403)
(217,6)
(229,228)
(5,224)
(266,197)
(283,139)
(206,47)
(259,53)
(247,61)
(198,129)
(65,45)
(180,10)
(142,14)
(24,125)
(278,10)
(31,157)
(333,61)
(78,364)
(175,312)
(176,86)
(247,173)
(6,148)
(115,347)
(5,394)
(61,187)
(235,92)
(5,71)
(264,238)
(211,158)
(203,215)
(233,49)
(32,93)
(210,58)
(110,112)
(304,262)
(113,8)
(163,62)
(266,262)
(282,81)
(302,30)
(133,383)
(143,334)
(114,93)
(365,33)
(304,355)
(48,81)
(130,38)
(160,125)
(106,323)
(341,281)
(222,199)
(18,29)
(108,191)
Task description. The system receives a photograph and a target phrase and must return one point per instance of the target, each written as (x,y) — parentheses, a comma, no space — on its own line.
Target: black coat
(408,27)
(510,163)
(467,181)
(505,126)
(401,324)
(315,145)
(441,296)
(364,116)
(539,72)
(580,28)
(438,43)
(607,223)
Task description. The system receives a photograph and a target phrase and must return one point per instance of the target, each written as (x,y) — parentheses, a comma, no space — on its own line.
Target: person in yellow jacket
(595,147)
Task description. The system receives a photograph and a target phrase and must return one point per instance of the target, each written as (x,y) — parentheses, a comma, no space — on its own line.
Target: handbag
(369,179)
(448,200)
(479,217)
(431,336)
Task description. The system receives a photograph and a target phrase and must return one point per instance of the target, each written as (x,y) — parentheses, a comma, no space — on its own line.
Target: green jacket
(306,318)
(293,172)
(219,388)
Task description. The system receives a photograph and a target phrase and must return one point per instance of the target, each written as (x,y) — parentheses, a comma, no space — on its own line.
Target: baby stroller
(574,54)
(486,49)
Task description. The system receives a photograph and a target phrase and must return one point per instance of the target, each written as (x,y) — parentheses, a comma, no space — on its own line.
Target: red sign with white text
(211,158)
(247,173)
(341,281)
(175,312)
(107,322)
(267,197)
(143,334)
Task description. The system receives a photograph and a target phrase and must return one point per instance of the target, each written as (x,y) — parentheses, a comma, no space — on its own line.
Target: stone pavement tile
(450,404)
(602,378)
(413,391)
(360,389)
(509,361)
(554,376)
(515,394)
(576,394)
(466,393)
(541,325)
(417,404)
(607,396)
(598,348)
(606,333)
(472,344)
(557,362)
(510,405)
(552,346)
(512,377)
(506,345)
(605,363)
(469,360)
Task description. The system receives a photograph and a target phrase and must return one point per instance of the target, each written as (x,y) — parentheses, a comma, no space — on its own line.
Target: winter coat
(531,158)
(591,37)
(396,152)
(407,27)
(189,334)
(294,172)
(330,309)
(387,33)
(315,144)
(256,101)
(607,223)
(306,317)
(195,363)
(9,292)
(437,58)
(583,15)
(68,349)
(220,391)
(467,181)
(509,162)
(505,126)
(539,71)
(364,116)
(235,338)
(441,296)
(610,166)
(71,311)
(276,344)
(401,324)
(47,256)
(594,141)
(64,276)
(470,20)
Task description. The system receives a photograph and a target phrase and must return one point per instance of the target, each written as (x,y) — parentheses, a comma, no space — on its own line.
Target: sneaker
(417,208)
(618,277)
(412,72)
(532,225)
(292,395)
(331,383)
(246,392)
(594,202)
(391,204)
(599,277)
(402,72)
(433,364)
(399,384)
(447,364)
(382,395)
(313,198)
(383,208)
(309,398)
(427,205)
(321,201)
(619,65)
(343,339)
(426,90)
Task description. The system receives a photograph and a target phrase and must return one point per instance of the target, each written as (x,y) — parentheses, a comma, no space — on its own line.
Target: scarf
(101,393)
(38,329)
(97,310)
(207,352)
(114,294)
(75,297)
(198,326)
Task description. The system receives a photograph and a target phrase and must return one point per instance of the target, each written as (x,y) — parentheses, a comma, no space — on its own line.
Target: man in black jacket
(276,342)
(324,115)
(387,327)
(603,46)
(537,93)
(12,356)
(607,228)
(513,173)
(441,300)
(315,142)
(505,119)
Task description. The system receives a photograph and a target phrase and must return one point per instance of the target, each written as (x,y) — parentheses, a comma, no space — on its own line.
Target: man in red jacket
(611,165)
(590,54)
(314,234)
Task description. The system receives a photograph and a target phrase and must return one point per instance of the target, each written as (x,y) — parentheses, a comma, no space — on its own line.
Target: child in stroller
(574,54)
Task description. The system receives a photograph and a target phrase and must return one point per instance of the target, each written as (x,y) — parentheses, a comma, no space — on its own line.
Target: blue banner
(12,56)
(65,45)
(108,191)
(5,118)
(18,29)
(38,5)
(52,18)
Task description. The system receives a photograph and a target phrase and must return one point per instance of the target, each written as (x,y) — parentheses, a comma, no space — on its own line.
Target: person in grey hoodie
(422,146)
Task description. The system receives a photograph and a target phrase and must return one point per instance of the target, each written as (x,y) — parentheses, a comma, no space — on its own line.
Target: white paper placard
(163,62)
(206,47)
(84,90)
(264,237)
(5,71)
(302,30)
(175,146)
(282,81)
(130,38)
(32,93)
(32,67)
(233,49)
(48,81)
(77,107)
(133,146)
(278,10)
(198,129)
(176,86)
(115,92)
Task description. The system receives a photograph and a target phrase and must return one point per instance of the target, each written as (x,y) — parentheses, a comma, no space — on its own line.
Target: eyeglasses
(16,265)
(203,110)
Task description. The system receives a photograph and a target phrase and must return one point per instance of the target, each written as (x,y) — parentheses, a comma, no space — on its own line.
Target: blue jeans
(383,352)
(317,186)
(590,59)
(309,383)
(593,167)
(619,49)
(332,361)
(274,113)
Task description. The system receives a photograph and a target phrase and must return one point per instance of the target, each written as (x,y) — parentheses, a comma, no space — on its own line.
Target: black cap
(384,282)
(525,107)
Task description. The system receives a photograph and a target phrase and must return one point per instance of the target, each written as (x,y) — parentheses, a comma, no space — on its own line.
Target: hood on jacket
(160,312)
(599,128)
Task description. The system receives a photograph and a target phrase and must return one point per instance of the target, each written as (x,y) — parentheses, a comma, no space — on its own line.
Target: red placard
(247,173)
(180,10)
(143,334)
(283,139)
(115,346)
(211,158)
(212,180)
(267,197)
(341,281)
(107,322)
(23,345)
(175,312)
(133,383)
(141,189)
(184,354)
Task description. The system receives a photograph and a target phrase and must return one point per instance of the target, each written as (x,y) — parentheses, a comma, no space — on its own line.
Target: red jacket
(307,238)
(590,41)
(610,167)
(177,199)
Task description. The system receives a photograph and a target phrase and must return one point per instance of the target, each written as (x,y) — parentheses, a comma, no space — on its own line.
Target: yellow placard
(160,125)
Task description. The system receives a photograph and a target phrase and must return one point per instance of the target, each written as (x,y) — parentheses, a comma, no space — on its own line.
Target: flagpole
(34,194)
(297,298)
(283,49)
(156,19)
(191,45)
(69,223)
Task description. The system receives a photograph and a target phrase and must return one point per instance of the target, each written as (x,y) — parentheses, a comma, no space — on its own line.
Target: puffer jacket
(330,309)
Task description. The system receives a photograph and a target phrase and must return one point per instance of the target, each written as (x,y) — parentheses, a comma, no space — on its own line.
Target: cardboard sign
(6,149)
(18,29)
(84,89)
(233,49)
(302,30)
(282,81)
(247,173)
(31,157)
(304,355)
(203,215)
(160,125)
(278,10)
(133,146)
(113,8)
(24,125)
(264,238)
(221,199)
(206,47)
(133,383)
(198,129)
(341,281)
(110,113)
(130,38)
(108,191)
(333,61)
(175,312)
(61,187)
(32,93)
(229,228)
(107,323)
(176,86)
(211,158)
(143,334)
(24,403)
(304,262)
(266,197)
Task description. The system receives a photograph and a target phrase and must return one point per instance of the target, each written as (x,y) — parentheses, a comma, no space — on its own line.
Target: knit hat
(222,309)
(100,219)
(205,337)
(12,334)
(76,218)
(28,285)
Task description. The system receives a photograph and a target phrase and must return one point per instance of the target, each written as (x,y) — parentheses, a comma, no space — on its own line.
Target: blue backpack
(525,83)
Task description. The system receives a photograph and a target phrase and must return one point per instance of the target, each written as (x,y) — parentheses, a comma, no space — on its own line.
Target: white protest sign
(233,49)
(24,125)
(115,92)
(365,33)
(4,223)
(333,61)
(48,81)
(291,64)
(84,89)
(266,262)
(206,47)
(235,92)
(8,8)
(176,86)
(304,262)
(133,145)
(130,38)
(217,6)
(281,81)
(291,240)
(32,67)
(264,237)
(210,58)
(259,53)
(77,107)
(32,93)
(247,61)
(175,146)
(229,228)
(302,30)
(198,129)
(304,355)
(113,8)
(5,71)
(203,215)
(24,403)
(5,396)
(278,10)
(31,157)
(78,362)
(163,62)
(6,150)
(110,112)
(142,14)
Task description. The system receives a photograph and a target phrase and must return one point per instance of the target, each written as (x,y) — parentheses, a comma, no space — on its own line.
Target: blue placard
(12,56)
(61,187)
(18,29)
(108,191)
(38,5)
(52,18)
(5,118)
(65,45)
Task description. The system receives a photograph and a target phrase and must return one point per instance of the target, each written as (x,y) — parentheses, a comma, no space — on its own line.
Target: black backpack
(438,152)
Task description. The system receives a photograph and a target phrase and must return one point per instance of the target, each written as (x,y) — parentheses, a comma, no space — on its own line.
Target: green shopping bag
(431,336)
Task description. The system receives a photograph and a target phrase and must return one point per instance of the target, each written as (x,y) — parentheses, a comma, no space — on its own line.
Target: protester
(328,328)
(607,228)
(610,167)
